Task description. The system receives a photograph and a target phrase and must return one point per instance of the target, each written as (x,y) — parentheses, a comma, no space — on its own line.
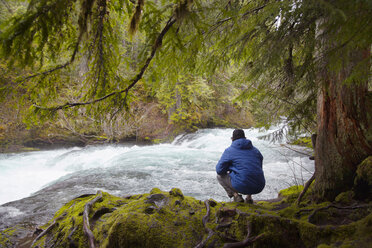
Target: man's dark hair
(238,134)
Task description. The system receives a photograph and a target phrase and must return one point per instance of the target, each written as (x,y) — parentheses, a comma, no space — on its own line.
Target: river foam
(187,163)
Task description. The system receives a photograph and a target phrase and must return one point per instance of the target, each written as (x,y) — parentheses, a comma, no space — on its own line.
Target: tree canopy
(275,51)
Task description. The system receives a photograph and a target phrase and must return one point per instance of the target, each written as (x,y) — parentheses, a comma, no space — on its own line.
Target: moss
(323,246)
(303,141)
(15,236)
(292,191)
(169,225)
(345,197)
(363,180)
(170,219)
(155,191)
(29,149)
(291,194)
(5,237)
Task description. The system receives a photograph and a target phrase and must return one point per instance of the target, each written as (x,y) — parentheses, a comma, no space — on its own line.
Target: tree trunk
(344,125)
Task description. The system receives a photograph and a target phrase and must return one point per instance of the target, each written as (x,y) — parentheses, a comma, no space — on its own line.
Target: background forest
(159,108)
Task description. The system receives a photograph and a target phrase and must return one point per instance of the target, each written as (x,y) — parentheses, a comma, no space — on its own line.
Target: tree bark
(344,125)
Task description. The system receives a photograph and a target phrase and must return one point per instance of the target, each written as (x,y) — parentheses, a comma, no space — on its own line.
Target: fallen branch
(205,221)
(50,227)
(86,225)
(247,239)
(292,149)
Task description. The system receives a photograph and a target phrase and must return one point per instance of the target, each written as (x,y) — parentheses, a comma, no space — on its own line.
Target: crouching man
(239,169)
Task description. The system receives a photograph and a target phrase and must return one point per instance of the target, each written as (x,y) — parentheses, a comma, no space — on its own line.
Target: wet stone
(155,197)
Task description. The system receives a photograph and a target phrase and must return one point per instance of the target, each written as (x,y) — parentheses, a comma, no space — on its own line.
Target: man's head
(237,134)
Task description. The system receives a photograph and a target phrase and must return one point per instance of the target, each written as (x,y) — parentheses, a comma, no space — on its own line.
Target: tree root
(314,211)
(307,185)
(50,227)
(86,225)
(69,237)
(247,239)
(335,206)
(205,221)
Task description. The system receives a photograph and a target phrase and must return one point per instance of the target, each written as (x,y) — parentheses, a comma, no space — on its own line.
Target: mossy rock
(170,219)
(363,180)
(160,219)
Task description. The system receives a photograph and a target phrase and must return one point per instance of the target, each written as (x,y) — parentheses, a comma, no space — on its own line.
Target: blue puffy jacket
(244,163)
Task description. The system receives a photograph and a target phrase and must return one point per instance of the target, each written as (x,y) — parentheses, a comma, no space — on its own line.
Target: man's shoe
(238,198)
(248,200)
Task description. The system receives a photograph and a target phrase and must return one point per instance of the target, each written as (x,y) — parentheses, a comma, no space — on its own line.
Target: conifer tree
(307,60)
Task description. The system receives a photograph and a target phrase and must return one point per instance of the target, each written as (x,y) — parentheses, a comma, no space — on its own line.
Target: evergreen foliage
(271,50)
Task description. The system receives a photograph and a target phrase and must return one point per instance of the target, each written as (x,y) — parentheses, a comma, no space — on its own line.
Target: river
(35,184)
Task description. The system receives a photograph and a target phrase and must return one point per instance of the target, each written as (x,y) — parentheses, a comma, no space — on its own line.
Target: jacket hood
(242,144)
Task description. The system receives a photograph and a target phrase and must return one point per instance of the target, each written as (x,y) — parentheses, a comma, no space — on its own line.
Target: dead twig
(86,225)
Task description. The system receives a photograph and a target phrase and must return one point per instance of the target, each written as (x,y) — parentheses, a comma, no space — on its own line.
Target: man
(239,169)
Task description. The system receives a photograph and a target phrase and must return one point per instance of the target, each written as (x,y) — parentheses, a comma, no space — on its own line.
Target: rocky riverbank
(148,124)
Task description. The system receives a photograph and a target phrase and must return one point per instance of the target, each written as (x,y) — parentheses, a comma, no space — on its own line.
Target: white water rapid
(188,163)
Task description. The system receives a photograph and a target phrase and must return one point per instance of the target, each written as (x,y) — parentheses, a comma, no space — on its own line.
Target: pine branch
(58,67)
(7,6)
(155,47)
(244,15)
